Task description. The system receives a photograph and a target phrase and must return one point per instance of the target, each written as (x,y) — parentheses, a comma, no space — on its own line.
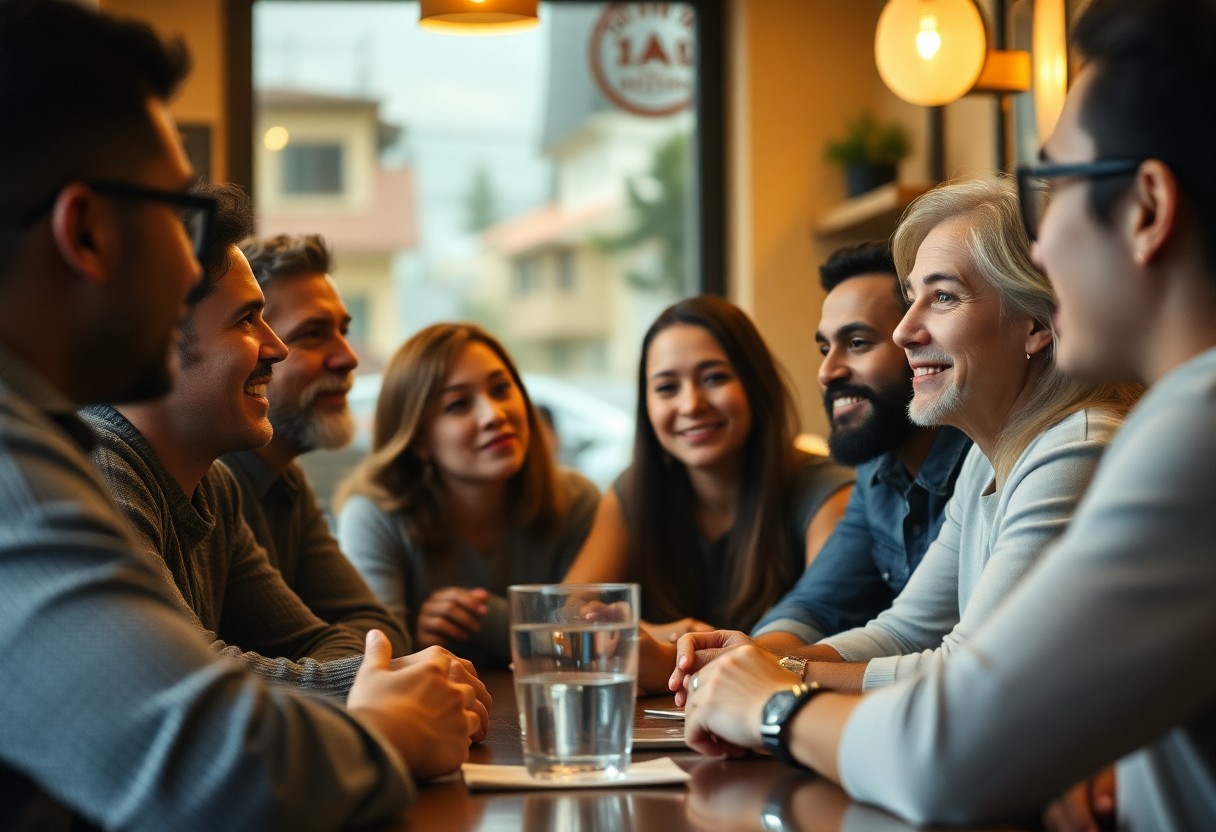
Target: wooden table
(752,794)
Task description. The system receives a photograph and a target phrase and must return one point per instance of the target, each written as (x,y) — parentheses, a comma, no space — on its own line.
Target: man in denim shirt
(905,473)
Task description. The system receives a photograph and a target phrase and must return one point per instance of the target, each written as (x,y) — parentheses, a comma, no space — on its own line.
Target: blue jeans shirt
(888,524)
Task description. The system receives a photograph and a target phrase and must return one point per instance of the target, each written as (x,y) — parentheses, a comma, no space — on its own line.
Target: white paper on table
(650,773)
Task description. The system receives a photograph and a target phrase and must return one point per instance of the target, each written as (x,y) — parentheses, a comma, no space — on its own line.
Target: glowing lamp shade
(478,17)
(1050,64)
(930,52)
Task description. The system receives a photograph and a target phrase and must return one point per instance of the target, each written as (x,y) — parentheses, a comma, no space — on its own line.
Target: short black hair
(233,223)
(74,87)
(288,255)
(1153,96)
(851,261)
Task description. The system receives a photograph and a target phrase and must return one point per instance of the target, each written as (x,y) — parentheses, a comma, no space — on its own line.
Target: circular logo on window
(642,56)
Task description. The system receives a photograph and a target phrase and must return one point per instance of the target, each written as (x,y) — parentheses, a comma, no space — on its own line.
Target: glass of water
(575,653)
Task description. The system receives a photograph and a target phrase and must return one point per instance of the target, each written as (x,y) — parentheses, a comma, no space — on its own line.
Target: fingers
(451,614)
(378,651)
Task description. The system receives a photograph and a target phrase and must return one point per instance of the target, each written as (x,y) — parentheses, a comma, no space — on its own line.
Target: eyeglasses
(197,212)
(1034,184)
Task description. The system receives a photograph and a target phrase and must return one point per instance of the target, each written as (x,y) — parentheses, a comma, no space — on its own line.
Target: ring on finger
(695,682)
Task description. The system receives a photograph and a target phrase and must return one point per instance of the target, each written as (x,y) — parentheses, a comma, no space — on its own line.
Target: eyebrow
(851,328)
(932,279)
(704,365)
(248,306)
(462,386)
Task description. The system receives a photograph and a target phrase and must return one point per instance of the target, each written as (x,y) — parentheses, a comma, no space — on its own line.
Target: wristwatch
(796,665)
(778,711)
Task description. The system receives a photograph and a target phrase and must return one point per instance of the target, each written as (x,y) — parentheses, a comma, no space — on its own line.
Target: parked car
(594,432)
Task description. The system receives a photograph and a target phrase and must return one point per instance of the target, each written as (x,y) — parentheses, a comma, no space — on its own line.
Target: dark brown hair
(394,476)
(662,534)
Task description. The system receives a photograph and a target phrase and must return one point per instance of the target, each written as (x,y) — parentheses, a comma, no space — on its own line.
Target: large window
(550,185)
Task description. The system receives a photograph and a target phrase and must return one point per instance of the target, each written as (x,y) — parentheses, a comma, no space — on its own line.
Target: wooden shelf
(871,215)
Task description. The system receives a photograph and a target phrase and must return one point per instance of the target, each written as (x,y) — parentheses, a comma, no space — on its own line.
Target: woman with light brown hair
(460,496)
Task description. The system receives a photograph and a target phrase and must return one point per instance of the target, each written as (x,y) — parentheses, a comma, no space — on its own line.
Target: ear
(1154,210)
(1038,338)
(83,229)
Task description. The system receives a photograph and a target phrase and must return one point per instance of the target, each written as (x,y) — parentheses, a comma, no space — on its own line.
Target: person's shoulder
(814,471)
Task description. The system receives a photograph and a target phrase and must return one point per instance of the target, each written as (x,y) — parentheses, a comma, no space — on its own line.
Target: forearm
(846,677)
(332,678)
(816,731)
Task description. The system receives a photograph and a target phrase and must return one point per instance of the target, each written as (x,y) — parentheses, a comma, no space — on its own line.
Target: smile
(929,371)
(257,388)
(698,433)
(844,402)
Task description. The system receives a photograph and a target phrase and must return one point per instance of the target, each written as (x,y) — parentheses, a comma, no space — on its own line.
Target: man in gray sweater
(308,410)
(159,458)
(115,709)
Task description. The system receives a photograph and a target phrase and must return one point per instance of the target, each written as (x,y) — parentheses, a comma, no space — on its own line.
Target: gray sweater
(222,576)
(988,542)
(114,707)
(403,576)
(1103,651)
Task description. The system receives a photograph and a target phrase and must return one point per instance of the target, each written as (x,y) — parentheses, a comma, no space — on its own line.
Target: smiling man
(1103,653)
(308,410)
(905,473)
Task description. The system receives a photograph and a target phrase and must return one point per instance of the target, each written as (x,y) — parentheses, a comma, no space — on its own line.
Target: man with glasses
(115,708)
(1104,652)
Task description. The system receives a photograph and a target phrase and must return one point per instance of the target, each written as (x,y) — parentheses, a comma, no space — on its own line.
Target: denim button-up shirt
(888,524)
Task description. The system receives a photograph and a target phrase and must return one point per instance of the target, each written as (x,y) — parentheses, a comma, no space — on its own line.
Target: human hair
(287,255)
(851,261)
(395,477)
(232,223)
(74,90)
(662,532)
(999,250)
(1152,95)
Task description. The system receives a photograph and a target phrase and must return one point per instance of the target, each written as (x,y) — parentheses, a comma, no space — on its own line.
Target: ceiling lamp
(932,52)
(478,17)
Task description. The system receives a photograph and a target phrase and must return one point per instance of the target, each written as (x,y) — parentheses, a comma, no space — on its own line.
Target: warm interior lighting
(1050,64)
(928,41)
(478,17)
(930,52)
(276,138)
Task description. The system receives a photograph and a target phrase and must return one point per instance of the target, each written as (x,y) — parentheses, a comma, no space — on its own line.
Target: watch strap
(777,743)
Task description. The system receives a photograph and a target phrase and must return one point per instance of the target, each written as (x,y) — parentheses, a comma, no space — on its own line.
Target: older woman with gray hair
(978,336)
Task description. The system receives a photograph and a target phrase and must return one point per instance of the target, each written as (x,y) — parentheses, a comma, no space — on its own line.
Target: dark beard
(887,428)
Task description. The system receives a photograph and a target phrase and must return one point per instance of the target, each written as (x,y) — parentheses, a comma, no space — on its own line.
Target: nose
(343,359)
(273,349)
(490,412)
(910,332)
(831,368)
(691,398)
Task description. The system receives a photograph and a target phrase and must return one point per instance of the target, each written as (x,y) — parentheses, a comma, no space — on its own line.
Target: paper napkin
(480,777)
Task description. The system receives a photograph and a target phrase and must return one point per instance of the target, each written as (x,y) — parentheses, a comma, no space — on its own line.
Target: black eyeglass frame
(1096,169)
(204,206)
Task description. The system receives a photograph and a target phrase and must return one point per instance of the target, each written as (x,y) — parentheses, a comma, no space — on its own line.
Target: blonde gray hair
(998,248)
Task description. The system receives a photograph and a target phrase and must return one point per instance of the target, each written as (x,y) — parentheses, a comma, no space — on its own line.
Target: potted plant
(868,152)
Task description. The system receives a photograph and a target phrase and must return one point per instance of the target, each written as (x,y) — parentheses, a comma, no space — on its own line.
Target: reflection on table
(723,796)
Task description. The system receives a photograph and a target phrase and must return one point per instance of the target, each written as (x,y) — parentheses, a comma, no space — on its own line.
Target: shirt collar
(939,469)
(254,469)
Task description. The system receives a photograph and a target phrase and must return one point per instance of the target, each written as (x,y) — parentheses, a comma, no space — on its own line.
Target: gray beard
(936,412)
(305,430)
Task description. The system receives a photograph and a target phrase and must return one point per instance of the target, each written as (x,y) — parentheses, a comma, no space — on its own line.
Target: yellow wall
(202,99)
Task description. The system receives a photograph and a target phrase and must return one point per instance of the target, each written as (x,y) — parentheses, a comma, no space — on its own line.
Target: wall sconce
(932,52)
(478,17)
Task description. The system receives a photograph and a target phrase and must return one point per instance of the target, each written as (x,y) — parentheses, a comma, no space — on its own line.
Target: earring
(1027,356)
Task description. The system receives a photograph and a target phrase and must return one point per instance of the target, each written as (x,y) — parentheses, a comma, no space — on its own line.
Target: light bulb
(928,40)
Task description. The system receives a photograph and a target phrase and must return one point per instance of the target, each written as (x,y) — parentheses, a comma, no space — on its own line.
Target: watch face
(777,707)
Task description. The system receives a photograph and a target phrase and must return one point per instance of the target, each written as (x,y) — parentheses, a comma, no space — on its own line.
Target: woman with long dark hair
(719,513)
